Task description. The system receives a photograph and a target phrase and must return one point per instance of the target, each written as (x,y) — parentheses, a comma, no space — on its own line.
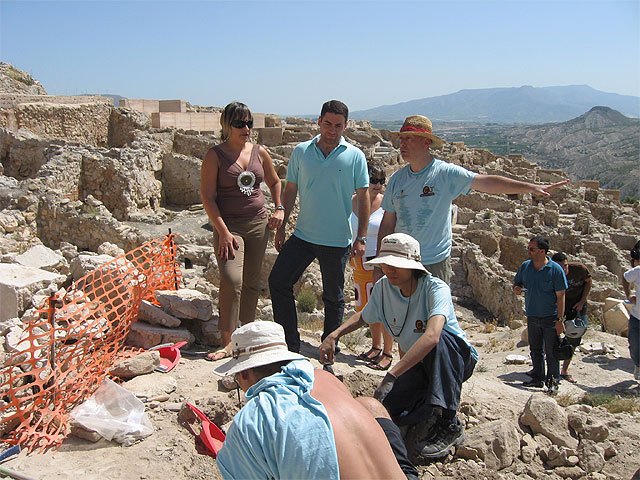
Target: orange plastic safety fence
(67,348)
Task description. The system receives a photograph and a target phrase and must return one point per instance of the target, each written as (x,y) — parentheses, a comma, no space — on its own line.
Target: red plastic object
(210,434)
(169,356)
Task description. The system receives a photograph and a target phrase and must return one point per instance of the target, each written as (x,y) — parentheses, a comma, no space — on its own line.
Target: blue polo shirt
(542,285)
(325,187)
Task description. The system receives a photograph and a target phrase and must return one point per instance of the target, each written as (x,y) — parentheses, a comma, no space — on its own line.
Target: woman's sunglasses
(377,180)
(242,123)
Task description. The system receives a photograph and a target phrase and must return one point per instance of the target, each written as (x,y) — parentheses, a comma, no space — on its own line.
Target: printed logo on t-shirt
(427,191)
(420,327)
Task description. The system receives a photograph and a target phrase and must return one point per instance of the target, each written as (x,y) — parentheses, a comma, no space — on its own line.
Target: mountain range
(602,144)
(520,105)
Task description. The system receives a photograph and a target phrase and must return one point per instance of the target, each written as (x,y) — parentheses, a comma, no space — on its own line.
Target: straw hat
(399,250)
(255,344)
(420,126)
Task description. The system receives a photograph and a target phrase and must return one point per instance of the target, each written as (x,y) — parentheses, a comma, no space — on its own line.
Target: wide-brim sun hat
(420,126)
(254,345)
(398,250)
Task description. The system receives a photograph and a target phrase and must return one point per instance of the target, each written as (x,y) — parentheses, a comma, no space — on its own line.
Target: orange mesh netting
(71,342)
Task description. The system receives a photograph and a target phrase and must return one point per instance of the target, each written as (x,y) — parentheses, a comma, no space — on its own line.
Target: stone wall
(82,123)
(181,179)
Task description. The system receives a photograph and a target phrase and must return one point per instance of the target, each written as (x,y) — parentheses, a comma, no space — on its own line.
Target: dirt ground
(494,389)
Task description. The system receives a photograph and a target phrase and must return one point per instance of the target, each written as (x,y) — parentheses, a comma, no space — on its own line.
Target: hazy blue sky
(290,56)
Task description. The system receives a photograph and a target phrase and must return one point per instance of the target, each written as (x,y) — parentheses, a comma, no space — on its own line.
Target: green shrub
(307,300)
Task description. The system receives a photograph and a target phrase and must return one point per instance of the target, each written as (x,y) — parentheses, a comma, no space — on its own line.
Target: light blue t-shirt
(540,298)
(325,188)
(422,204)
(406,318)
(282,431)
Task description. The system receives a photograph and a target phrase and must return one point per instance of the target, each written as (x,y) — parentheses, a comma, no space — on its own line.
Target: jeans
(435,381)
(542,334)
(634,340)
(296,255)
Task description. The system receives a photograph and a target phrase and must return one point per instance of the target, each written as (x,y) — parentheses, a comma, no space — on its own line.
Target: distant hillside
(525,104)
(602,145)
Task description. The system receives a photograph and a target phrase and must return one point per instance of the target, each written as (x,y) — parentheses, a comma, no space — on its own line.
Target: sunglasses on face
(242,123)
(377,180)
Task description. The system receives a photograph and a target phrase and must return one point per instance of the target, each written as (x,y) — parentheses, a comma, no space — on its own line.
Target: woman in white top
(379,356)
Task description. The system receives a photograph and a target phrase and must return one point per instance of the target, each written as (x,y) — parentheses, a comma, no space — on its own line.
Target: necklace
(406,314)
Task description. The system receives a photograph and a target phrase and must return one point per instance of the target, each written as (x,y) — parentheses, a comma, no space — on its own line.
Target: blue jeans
(294,258)
(634,340)
(543,338)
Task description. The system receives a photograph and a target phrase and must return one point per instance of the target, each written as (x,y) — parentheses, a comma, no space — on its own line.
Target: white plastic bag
(115,413)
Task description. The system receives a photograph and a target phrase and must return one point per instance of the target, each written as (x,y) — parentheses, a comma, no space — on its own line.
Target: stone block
(85,263)
(186,303)
(40,256)
(156,316)
(181,179)
(146,336)
(18,283)
(616,319)
(172,106)
(270,136)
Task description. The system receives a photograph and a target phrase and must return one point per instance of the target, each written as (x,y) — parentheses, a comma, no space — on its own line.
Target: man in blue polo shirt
(418,199)
(324,172)
(544,284)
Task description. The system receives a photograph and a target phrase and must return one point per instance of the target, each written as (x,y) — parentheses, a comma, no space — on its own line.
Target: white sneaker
(636,372)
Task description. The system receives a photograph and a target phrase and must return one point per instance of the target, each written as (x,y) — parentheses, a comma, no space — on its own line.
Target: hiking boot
(533,384)
(636,372)
(446,435)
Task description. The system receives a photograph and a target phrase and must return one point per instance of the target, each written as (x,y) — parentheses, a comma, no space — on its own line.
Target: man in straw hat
(418,199)
(302,423)
(421,391)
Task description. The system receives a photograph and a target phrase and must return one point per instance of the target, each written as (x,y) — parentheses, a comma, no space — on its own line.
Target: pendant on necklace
(246,181)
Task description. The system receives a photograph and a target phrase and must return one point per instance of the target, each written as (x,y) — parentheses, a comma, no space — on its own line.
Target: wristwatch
(280,207)
(362,239)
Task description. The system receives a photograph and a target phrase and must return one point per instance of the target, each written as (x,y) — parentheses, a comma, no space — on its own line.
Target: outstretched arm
(497,184)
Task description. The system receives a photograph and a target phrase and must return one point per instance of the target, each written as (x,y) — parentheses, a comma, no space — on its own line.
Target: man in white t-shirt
(633,276)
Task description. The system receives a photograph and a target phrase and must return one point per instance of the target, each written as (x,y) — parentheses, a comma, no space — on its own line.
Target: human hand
(545,190)
(327,350)
(276,220)
(579,306)
(278,241)
(559,327)
(385,387)
(517,289)
(357,249)
(227,245)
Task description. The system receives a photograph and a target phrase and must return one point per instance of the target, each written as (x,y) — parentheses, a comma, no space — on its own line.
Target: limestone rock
(591,456)
(146,336)
(42,257)
(181,179)
(543,415)
(110,249)
(156,316)
(186,303)
(145,362)
(18,285)
(155,385)
(586,426)
(497,443)
(85,263)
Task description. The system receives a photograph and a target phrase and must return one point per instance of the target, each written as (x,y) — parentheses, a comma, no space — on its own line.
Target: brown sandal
(376,363)
(371,355)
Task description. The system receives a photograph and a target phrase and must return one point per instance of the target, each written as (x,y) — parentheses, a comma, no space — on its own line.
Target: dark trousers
(434,382)
(543,338)
(398,447)
(294,258)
